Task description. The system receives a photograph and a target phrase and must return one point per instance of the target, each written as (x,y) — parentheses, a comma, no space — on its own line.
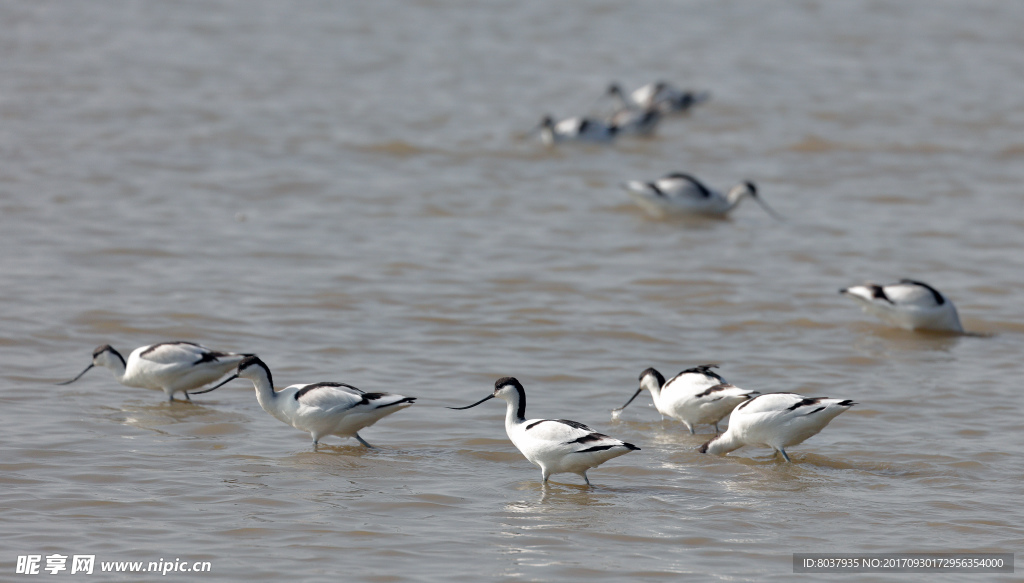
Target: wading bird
(696,396)
(909,304)
(679,193)
(555,445)
(319,408)
(776,420)
(167,366)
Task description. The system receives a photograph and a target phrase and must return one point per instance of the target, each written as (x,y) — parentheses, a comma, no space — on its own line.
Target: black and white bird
(168,366)
(659,96)
(776,420)
(555,445)
(696,396)
(319,409)
(908,304)
(576,129)
(679,193)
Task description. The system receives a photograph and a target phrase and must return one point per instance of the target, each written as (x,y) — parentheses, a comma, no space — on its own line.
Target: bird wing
(680,185)
(179,353)
(327,395)
(789,405)
(721,391)
(697,378)
(911,293)
(172,352)
(690,383)
(557,430)
(773,403)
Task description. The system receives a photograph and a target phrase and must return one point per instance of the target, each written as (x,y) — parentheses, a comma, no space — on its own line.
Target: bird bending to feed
(695,396)
(659,96)
(319,408)
(679,193)
(556,445)
(576,129)
(167,366)
(909,304)
(776,420)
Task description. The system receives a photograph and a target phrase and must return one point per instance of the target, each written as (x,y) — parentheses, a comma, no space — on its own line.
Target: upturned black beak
(226,381)
(768,209)
(79,375)
(638,391)
(487,398)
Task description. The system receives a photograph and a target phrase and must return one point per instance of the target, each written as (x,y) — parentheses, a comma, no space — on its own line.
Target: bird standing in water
(319,408)
(168,366)
(555,445)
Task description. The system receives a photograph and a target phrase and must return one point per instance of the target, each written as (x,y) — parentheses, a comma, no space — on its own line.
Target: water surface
(348,190)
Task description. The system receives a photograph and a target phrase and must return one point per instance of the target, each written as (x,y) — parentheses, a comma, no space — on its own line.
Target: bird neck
(723,444)
(265,392)
(115,362)
(653,381)
(515,413)
(652,385)
(736,195)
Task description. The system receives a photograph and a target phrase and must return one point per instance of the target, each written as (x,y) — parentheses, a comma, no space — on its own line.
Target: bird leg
(363,441)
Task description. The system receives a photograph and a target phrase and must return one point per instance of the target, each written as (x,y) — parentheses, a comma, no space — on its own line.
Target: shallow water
(349,191)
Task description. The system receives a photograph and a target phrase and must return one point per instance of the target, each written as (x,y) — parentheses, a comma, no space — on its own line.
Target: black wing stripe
(399,402)
(629,446)
(211,356)
(715,389)
(588,438)
(597,448)
(704,192)
(574,424)
(802,403)
(935,293)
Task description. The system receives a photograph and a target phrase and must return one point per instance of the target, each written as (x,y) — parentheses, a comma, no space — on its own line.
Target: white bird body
(680,193)
(167,366)
(319,409)
(555,445)
(908,304)
(696,396)
(576,129)
(776,420)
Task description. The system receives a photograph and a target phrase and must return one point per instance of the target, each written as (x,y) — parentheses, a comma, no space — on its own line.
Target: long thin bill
(769,210)
(79,375)
(226,381)
(487,398)
(638,391)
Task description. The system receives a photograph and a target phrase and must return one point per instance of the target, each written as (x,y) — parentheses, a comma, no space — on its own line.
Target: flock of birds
(696,396)
(636,114)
